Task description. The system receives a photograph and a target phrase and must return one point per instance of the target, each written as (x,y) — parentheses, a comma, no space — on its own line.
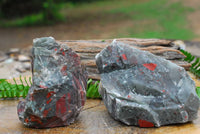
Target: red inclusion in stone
(124,57)
(50,94)
(35,119)
(49,101)
(45,112)
(41,86)
(61,106)
(144,123)
(63,70)
(150,66)
(26,120)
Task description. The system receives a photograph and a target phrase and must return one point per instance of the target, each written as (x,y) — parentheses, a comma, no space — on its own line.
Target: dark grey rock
(58,91)
(139,88)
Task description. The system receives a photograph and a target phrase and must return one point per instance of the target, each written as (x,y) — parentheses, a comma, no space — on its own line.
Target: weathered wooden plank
(88,63)
(169,54)
(88,56)
(145,42)
(181,63)
(86,46)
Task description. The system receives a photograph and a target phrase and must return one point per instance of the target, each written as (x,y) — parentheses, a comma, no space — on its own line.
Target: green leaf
(26,89)
(12,93)
(8,94)
(26,81)
(13,86)
(2,80)
(30,80)
(24,94)
(21,93)
(1,87)
(6,85)
(21,81)
(198,91)
(17,94)
(92,89)
(20,87)
(195,62)
(88,82)
(1,96)
(96,93)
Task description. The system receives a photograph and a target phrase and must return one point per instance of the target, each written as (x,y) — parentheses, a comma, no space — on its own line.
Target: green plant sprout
(92,89)
(8,90)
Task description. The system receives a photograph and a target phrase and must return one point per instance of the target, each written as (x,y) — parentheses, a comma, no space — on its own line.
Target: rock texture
(58,91)
(139,88)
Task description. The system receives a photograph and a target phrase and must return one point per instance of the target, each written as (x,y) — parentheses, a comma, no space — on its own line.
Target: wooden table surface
(94,119)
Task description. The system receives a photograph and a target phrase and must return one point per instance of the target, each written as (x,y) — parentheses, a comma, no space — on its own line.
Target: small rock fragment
(3,57)
(23,58)
(23,66)
(58,91)
(14,51)
(9,60)
(20,68)
(26,65)
(139,88)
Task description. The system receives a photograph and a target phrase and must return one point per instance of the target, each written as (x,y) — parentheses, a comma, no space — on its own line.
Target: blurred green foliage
(32,12)
(29,12)
(18,8)
(165,20)
(146,18)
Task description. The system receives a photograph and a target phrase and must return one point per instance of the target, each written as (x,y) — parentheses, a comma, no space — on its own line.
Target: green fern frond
(8,90)
(195,68)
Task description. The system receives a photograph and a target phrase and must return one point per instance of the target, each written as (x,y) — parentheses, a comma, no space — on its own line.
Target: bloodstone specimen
(58,91)
(139,88)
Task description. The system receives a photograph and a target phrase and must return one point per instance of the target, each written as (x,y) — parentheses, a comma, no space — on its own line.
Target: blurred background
(23,20)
